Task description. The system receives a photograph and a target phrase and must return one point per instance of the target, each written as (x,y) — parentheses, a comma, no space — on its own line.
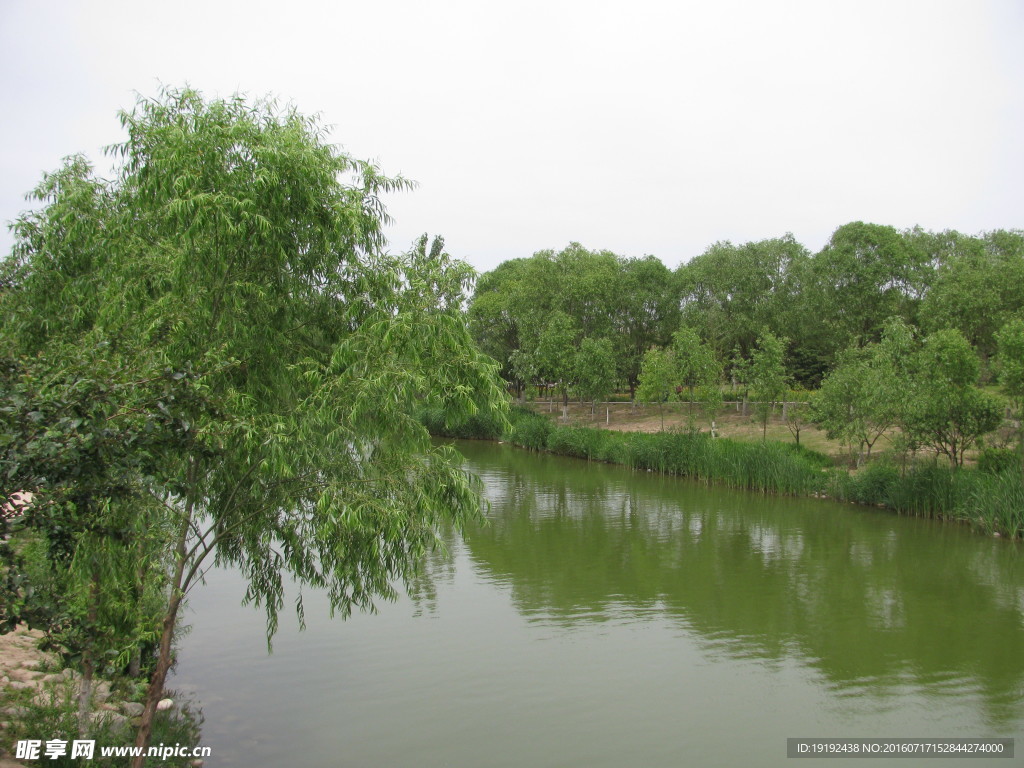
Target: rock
(110,707)
(164,704)
(197,763)
(21,685)
(31,664)
(55,678)
(132,708)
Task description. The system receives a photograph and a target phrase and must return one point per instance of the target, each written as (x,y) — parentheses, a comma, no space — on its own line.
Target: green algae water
(604,617)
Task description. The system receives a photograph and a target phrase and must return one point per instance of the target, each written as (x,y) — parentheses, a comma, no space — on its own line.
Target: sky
(640,128)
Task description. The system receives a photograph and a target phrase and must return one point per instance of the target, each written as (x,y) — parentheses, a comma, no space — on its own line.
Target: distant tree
(978,287)
(523,370)
(595,370)
(646,312)
(740,375)
(855,404)
(768,375)
(799,414)
(866,394)
(556,352)
(698,370)
(864,275)
(1010,341)
(731,292)
(946,410)
(659,378)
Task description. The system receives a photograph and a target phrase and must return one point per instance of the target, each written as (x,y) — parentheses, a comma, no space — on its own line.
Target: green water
(609,618)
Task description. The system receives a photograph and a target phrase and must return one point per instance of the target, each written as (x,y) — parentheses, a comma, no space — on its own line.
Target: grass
(991,499)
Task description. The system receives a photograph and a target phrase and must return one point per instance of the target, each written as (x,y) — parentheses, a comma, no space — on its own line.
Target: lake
(605,617)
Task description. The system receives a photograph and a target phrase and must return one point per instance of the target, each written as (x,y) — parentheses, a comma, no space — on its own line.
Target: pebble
(164,704)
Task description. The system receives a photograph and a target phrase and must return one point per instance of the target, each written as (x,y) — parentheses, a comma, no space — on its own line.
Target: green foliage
(659,377)
(1011,372)
(864,275)
(993,502)
(594,369)
(556,351)
(978,286)
(1010,340)
(483,425)
(996,460)
(56,717)
(631,302)
(770,467)
(768,378)
(696,363)
(945,409)
(530,430)
(865,394)
(233,242)
(730,293)
(997,503)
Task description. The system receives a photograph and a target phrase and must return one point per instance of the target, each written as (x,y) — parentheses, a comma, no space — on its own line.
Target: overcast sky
(641,127)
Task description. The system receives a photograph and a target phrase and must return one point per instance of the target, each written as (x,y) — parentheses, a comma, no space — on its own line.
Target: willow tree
(234,237)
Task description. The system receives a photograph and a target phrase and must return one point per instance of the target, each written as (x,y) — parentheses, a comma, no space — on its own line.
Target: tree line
(769,315)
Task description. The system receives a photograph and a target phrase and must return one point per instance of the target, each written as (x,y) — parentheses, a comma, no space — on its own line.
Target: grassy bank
(992,501)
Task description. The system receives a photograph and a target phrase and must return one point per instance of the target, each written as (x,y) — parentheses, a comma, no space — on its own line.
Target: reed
(990,500)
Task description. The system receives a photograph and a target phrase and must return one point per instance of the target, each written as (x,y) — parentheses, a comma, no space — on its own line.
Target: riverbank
(991,502)
(39,700)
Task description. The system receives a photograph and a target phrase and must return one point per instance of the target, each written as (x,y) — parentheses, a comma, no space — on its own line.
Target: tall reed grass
(991,501)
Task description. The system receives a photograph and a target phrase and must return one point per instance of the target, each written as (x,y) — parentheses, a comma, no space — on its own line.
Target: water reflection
(877,605)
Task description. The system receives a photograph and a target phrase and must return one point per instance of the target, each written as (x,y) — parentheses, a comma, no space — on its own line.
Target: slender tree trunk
(138,591)
(163,664)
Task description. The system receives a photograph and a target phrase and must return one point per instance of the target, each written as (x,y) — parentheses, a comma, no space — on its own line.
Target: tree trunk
(156,683)
(163,663)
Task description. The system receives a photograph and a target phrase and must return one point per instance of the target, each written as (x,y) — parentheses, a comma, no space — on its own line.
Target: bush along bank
(992,501)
